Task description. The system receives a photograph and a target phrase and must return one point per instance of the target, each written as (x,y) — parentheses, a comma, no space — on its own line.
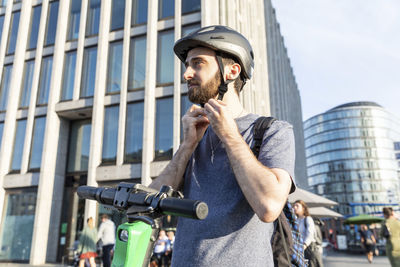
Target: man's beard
(202,93)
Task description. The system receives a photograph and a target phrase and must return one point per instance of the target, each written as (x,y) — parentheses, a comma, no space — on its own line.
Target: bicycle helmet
(220,39)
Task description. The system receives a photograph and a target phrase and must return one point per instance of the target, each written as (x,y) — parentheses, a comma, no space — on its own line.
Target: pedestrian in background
(318,237)
(391,231)
(160,249)
(170,246)
(87,244)
(368,241)
(307,230)
(107,237)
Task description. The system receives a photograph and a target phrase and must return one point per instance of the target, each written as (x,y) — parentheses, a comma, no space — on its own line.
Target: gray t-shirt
(232,234)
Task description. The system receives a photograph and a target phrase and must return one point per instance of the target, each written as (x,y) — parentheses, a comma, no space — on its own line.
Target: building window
(37,143)
(396,145)
(139,12)
(5,86)
(17,226)
(1,132)
(51,24)
(137,63)
(165,58)
(1,25)
(88,72)
(110,135)
(35,21)
(44,82)
(185,105)
(3,3)
(74,18)
(117,15)
(18,146)
(68,76)
(27,84)
(164,129)
(189,6)
(93,18)
(134,132)
(79,146)
(166,8)
(12,41)
(114,67)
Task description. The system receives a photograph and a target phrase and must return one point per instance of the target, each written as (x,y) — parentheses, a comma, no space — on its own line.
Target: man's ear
(232,71)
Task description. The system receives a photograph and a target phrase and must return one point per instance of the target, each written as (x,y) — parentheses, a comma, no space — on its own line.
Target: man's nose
(188,74)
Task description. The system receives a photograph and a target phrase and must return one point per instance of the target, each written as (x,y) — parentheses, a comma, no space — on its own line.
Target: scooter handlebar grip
(100,194)
(193,209)
(87,192)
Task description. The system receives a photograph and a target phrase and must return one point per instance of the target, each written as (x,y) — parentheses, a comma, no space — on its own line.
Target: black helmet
(219,38)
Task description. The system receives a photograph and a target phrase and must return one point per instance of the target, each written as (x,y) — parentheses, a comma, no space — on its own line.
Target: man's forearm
(172,175)
(265,189)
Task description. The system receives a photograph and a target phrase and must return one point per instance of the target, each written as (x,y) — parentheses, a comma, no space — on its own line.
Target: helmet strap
(223,87)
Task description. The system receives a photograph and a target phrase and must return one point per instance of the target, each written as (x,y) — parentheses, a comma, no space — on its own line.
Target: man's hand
(194,124)
(221,120)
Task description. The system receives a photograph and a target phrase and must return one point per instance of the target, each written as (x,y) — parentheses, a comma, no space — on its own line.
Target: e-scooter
(144,207)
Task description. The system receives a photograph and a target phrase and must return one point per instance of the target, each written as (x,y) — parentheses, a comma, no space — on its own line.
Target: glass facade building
(92,94)
(351,157)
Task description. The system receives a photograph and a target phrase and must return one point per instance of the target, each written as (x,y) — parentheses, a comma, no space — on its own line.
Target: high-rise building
(91,93)
(351,157)
(283,91)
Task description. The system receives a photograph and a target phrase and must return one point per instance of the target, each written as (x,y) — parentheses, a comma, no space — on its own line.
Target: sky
(343,51)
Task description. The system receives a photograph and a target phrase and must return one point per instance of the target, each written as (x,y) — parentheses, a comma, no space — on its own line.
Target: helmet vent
(217,37)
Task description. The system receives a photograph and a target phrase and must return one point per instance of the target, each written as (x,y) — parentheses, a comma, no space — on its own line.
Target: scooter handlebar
(170,206)
(184,208)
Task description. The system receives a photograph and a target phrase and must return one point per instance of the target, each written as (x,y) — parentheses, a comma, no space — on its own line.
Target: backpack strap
(261,125)
(285,246)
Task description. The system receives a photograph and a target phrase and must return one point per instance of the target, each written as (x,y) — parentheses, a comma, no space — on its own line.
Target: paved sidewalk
(341,259)
(333,259)
(5,264)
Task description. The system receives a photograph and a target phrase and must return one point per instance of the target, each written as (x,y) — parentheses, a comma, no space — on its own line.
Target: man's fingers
(211,110)
(195,119)
(195,111)
(194,107)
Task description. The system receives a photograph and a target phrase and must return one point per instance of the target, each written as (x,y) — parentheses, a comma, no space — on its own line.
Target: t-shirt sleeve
(278,149)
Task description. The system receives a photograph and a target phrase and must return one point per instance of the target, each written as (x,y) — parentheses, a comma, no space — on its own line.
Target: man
(215,164)
(391,231)
(107,235)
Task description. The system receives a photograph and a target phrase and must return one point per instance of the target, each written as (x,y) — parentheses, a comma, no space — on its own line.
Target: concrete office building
(351,157)
(91,93)
(284,94)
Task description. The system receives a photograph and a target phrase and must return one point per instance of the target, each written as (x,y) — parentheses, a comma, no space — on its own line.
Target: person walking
(107,236)
(87,244)
(391,231)
(160,249)
(214,162)
(368,241)
(307,230)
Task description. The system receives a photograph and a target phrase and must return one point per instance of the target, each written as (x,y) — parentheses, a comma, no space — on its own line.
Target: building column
(177,79)
(96,140)
(11,112)
(149,92)
(124,84)
(50,186)
(210,12)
